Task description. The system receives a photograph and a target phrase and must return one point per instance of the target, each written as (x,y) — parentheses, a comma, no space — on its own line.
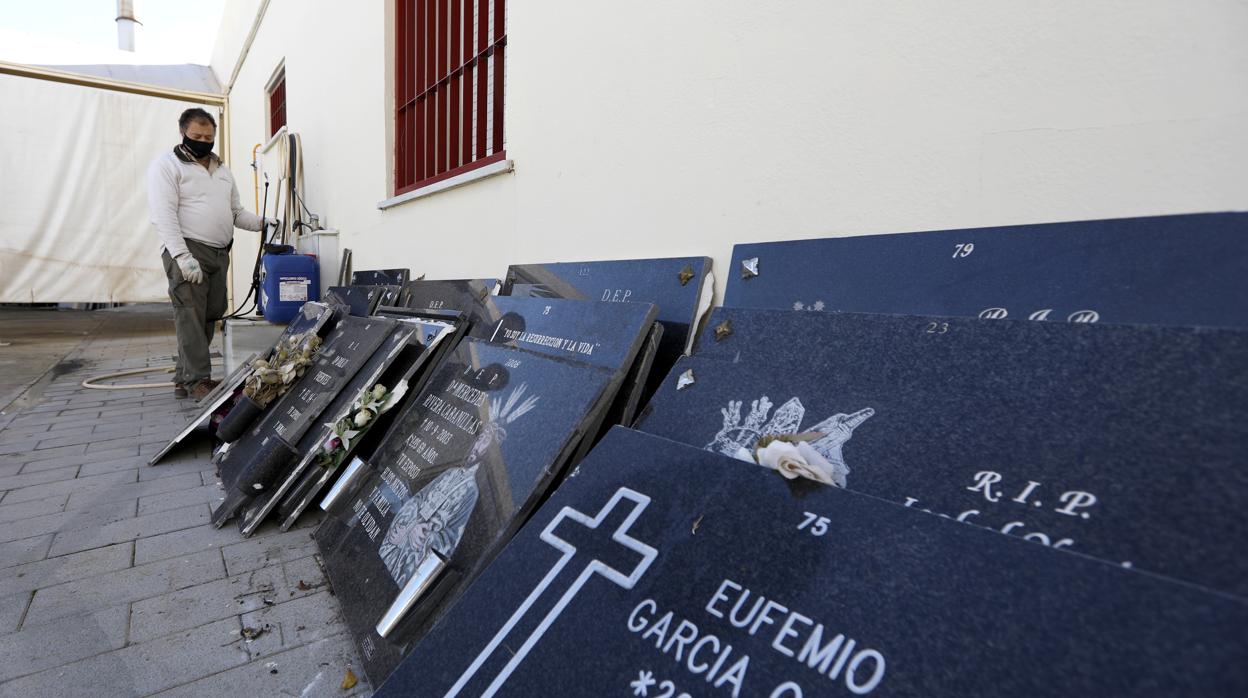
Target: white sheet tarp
(73,197)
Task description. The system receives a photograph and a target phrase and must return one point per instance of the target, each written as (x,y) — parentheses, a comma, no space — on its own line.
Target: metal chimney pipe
(125,25)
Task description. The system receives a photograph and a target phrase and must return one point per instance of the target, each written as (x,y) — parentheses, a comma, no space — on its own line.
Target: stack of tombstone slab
(666,569)
(493,431)
(1029,508)
(371,289)
(399,366)
(256,462)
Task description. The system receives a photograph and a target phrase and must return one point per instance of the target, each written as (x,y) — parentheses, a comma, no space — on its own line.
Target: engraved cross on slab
(569,525)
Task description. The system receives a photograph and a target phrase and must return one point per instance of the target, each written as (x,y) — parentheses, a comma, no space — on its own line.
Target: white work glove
(271,223)
(190,268)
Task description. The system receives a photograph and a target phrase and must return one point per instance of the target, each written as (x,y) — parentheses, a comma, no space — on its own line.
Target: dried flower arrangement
(271,378)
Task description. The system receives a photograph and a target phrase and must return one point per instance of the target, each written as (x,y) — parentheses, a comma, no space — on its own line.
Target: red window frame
(448,89)
(277,105)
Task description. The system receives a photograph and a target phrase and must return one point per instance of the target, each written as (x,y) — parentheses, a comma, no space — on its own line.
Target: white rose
(379,391)
(363,417)
(801,459)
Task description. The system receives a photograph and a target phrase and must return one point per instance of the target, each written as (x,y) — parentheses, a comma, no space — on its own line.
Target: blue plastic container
(289,281)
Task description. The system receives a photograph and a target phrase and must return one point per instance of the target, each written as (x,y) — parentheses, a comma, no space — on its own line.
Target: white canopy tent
(73,204)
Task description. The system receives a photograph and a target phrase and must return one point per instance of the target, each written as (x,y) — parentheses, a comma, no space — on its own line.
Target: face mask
(199,148)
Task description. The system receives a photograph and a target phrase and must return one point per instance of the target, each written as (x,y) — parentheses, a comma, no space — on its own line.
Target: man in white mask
(195,207)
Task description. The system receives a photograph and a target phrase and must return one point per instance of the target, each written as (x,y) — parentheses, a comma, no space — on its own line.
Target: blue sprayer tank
(288,281)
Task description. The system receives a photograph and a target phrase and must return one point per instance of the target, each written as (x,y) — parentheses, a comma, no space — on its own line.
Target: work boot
(180,392)
(202,388)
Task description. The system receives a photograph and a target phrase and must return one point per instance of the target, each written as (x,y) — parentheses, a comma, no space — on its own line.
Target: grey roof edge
(185,76)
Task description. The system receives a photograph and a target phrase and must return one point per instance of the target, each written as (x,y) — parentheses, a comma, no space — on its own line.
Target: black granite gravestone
(461,469)
(602,334)
(454,294)
(212,402)
(411,342)
(681,288)
(380,277)
(1121,442)
(1165,270)
(662,570)
(455,317)
(312,317)
(633,391)
(619,336)
(361,300)
(611,335)
(390,295)
(254,463)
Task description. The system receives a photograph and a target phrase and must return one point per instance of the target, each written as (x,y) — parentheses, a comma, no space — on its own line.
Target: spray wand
(253,292)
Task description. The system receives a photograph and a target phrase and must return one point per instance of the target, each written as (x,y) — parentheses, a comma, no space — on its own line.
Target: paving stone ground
(112,581)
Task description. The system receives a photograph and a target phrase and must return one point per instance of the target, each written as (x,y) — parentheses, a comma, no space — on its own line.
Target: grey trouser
(196,308)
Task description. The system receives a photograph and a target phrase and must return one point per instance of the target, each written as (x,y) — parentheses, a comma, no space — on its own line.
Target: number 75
(818,524)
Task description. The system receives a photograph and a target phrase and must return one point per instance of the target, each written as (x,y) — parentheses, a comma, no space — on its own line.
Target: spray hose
(92,382)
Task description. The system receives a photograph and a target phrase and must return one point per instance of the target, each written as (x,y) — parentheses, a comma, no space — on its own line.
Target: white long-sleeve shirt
(188,201)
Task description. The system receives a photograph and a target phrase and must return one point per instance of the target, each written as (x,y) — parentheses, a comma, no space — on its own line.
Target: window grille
(449,78)
(277,104)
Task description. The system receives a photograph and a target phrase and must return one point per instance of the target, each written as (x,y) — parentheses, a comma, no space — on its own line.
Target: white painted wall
(653,128)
